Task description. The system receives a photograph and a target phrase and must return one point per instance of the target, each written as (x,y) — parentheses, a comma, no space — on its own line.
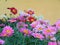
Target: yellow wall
(49,8)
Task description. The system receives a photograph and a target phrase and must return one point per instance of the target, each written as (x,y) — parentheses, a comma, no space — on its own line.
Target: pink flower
(52,43)
(34,24)
(21,25)
(44,22)
(38,35)
(38,28)
(25,31)
(39,22)
(11,21)
(2,41)
(7,31)
(58,24)
(2,25)
(21,18)
(49,31)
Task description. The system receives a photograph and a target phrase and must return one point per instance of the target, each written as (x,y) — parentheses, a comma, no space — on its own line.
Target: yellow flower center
(8,31)
(25,31)
(30,12)
(14,10)
(40,28)
(48,31)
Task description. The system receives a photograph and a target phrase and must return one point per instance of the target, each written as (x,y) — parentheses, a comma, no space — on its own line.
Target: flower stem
(36,41)
(23,39)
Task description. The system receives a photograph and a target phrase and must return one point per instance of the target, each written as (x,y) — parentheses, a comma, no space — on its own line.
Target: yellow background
(50,9)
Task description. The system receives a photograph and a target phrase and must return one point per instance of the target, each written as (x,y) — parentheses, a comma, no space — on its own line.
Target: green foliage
(19,39)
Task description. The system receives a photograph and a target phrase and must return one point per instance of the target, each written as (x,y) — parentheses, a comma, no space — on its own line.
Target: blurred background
(49,9)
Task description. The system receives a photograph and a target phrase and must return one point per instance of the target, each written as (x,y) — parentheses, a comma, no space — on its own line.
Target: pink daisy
(7,31)
(25,31)
(49,31)
(38,28)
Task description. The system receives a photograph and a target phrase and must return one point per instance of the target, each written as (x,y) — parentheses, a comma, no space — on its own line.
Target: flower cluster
(29,26)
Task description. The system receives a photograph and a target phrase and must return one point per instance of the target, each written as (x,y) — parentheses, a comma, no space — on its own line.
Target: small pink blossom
(2,25)
(21,25)
(44,22)
(38,35)
(11,21)
(2,41)
(21,18)
(34,24)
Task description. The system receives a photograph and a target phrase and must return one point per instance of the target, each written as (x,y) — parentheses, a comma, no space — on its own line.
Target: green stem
(6,39)
(23,39)
(36,42)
